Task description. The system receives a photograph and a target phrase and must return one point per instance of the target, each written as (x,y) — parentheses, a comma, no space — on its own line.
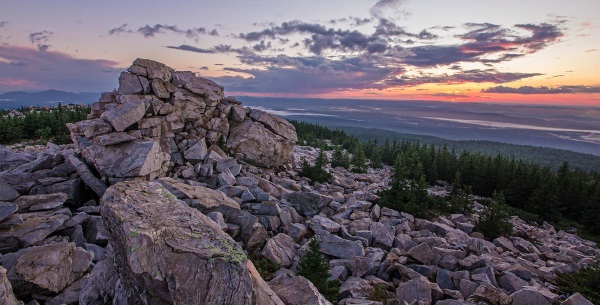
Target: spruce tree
(315,269)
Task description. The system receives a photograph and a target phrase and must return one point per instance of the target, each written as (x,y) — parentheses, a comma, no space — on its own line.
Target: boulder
(422,253)
(99,287)
(35,271)
(151,69)
(126,114)
(576,299)
(280,249)
(7,192)
(528,297)
(415,291)
(355,287)
(6,293)
(275,124)
(207,89)
(30,229)
(201,198)
(40,202)
(255,143)
(492,295)
(167,252)
(336,246)
(306,203)
(9,159)
(7,209)
(297,290)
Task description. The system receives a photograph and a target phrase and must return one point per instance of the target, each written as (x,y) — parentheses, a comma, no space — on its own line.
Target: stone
(528,297)
(415,291)
(84,173)
(511,282)
(168,252)
(297,290)
(40,202)
(422,253)
(336,246)
(237,113)
(506,244)
(70,295)
(145,159)
(7,192)
(99,287)
(217,217)
(126,114)
(383,235)
(96,232)
(161,89)
(576,299)
(255,143)
(306,203)
(6,293)
(37,272)
(152,69)
(361,266)
(130,83)
(319,222)
(297,231)
(226,178)
(33,229)
(275,124)
(444,280)
(208,89)
(197,152)
(252,233)
(7,209)
(355,287)
(202,198)
(280,249)
(492,295)
(9,159)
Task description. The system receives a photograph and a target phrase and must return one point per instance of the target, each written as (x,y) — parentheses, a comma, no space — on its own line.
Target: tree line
(564,197)
(40,123)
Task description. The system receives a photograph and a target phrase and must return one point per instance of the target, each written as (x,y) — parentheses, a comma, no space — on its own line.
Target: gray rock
(197,152)
(306,203)
(126,114)
(204,199)
(6,293)
(168,252)
(99,287)
(422,254)
(257,144)
(237,113)
(383,235)
(208,89)
(576,299)
(319,222)
(84,172)
(297,231)
(511,282)
(7,192)
(467,288)
(297,290)
(528,297)
(252,233)
(275,124)
(505,244)
(40,202)
(217,217)
(35,227)
(130,83)
(7,209)
(37,272)
(226,178)
(415,291)
(151,69)
(336,246)
(444,280)
(280,249)
(96,232)
(355,287)
(9,159)
(70,295)
(492,295)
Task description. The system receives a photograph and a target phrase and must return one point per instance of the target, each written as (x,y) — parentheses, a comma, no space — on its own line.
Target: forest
(40,123)
(567,197)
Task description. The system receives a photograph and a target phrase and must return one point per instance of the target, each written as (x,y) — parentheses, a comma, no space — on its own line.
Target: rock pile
(160,120)
(68,237)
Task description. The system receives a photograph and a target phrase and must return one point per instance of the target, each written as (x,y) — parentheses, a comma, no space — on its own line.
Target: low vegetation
(40,123)
(539,193)
(586,282)
(313,267)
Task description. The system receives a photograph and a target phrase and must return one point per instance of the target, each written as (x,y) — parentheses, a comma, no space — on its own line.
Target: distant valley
(18,99)
(562,127)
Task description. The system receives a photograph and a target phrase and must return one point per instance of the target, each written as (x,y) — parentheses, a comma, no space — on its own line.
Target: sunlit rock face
(160,119)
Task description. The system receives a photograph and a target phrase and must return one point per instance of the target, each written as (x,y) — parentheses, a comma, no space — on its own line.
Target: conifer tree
(315,269)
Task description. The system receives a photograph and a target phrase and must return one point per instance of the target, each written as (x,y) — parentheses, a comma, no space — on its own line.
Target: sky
(533,52)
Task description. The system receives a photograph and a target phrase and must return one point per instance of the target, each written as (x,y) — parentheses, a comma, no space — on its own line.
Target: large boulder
(169,253)
(6,293)
(297,290)
(263,144)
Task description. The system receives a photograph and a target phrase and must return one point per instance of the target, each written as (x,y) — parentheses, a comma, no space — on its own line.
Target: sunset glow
(461,51)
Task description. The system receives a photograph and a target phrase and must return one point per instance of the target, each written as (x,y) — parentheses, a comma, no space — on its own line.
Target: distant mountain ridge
(18,99)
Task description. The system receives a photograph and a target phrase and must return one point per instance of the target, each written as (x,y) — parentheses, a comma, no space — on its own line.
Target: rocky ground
(147,208)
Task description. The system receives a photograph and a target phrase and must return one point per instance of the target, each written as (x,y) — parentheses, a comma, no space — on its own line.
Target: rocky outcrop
(166,119)
(167,252)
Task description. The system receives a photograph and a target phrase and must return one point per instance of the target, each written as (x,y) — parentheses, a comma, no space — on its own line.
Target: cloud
(469,76)
(40,39)
(185,47)
(544,90)
(379,9)
(149,31)
(3,23)
(124,28)
(48,69)
(223,48)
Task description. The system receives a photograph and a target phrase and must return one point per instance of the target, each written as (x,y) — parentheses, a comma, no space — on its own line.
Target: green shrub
(265,267)
(494,221)
(586,282)
(315,269)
